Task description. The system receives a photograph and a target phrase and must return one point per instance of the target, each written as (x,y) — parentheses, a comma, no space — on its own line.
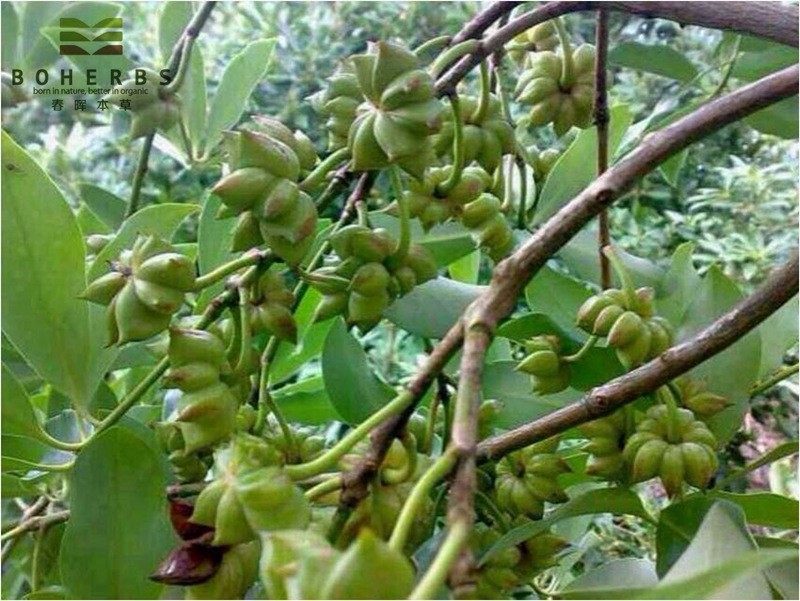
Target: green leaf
(657,59)
(732,372)
(174,18)
(306,402)
(619,501)
(558,296)
(107,206)
(721,537)
(42,276)
(447,242)
(431,309)
(353,389)
(778,334)
(242,74)
(10,36)
(576,168)
(158,220)
(310,340)
(532,324)
(214,242)
(764,508)
(37,52)
(780,119)
(672,167)
(520,403)
(582,258)
(466,269)
(118,529)
(635,573)
(17,414)
(676,289)
(677,525)
(768,58)
(776,453)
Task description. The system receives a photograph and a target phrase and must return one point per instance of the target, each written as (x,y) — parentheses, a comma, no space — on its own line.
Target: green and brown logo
(103,38)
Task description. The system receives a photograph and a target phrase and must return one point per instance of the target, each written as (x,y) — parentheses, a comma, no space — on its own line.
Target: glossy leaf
(778,334)
(353,389)
(732,372)
(431,309)
(658,59)
(42,276)
(619,501)
(159,220)
(575,169)
(466,269)
(447,242)
(214,242)
(118,530)
(306,402)
(17,414)
(513,390)
(241,75)
(721,537)
(764,508)
(634,573)
(10,36)
(109,207)
(558,296)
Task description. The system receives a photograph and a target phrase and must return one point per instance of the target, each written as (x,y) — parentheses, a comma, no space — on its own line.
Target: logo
(85,39)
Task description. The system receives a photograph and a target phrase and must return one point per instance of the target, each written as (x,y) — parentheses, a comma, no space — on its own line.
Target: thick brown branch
(464,440)
(745,316)
(771,20)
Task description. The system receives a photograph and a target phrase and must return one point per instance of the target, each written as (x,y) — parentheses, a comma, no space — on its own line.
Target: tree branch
(463,441)
(601,118)
(779,288)
(771,20)
(483,20)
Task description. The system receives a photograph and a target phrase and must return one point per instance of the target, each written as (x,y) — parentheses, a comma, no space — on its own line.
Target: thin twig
(34,523)
(779,288)
(601,122)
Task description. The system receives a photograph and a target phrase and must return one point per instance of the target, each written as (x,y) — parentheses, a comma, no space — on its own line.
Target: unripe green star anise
(369,276)
(470,201)
(249,495)
(145,287)
(236,574)
(153,107)
(606,440)
(538,38)
(629,322)
(527,478)
(559,93)
(206,410)
(549,372)
(676,448)
(487,135)
(261,188)
(338,102)
(399,110)
(271,308)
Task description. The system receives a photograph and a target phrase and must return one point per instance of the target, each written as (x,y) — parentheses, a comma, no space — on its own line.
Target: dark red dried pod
(180,511)
(191,563)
